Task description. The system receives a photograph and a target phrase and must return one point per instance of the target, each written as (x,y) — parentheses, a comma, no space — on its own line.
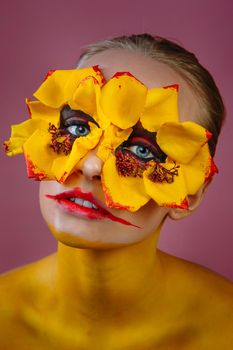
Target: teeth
(83,203)
(78,201)
(87,204)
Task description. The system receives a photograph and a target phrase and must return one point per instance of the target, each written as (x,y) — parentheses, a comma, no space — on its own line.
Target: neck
(98,283)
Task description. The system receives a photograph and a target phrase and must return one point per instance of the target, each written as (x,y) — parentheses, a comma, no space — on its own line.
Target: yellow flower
(130,182)
(48,150)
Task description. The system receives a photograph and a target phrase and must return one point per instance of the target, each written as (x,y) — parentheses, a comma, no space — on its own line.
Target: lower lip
(88,213)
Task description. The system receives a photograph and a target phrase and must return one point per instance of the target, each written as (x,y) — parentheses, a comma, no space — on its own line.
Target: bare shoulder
(209,298)
(26,277)
(20,291)
(195,274)
(200,282)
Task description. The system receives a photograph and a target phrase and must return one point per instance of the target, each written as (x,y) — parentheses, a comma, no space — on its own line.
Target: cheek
(47,206)
(150,217)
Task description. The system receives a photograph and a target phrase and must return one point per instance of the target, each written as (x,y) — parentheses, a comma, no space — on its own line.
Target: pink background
(42,35)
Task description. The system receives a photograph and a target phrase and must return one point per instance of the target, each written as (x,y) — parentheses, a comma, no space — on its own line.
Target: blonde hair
(183,62)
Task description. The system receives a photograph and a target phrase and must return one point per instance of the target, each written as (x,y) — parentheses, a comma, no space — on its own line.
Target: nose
(90,166)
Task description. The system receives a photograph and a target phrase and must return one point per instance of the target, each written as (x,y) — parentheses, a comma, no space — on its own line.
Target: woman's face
(86,228)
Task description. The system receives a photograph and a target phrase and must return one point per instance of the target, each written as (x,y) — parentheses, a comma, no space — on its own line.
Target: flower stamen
(60,141)
(160,174)
(129,166)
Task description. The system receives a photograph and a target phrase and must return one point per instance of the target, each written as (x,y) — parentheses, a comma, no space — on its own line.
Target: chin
(78,241)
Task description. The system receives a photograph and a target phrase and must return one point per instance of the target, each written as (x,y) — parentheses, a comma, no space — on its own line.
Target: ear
(194,202)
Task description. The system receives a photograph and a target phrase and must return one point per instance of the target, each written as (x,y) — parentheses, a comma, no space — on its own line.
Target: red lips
(90,213)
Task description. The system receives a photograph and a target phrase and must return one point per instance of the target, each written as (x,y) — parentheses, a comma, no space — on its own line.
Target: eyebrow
(68,113)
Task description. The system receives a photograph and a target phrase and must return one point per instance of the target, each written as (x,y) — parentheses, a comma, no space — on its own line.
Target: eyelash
(156,154)
(82,124)
(75,123)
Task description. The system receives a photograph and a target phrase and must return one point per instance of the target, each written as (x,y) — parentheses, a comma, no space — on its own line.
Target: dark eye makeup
(75,122)
(141,144)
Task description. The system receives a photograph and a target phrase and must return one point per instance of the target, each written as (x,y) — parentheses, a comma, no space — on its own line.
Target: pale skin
(120,292)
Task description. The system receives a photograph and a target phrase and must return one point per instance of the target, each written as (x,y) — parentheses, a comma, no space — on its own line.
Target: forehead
(150,72)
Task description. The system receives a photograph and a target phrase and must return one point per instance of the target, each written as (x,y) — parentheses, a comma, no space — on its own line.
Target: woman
(107,287)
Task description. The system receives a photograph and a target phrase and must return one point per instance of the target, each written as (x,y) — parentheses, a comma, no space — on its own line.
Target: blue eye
(141,151)
(78,130)
(144,152)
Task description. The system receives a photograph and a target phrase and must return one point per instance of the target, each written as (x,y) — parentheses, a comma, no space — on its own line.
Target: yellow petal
(59,87)
(84,97)
(63,165)
(20,134)
(181,141)
(122,192)
(172,195)
(122,100)
(161,107)
(198,170)
(99,116)
(13,146)
(92,80)
(112,138)
(51,91)
(38,110)
(39,156)
(79,74)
